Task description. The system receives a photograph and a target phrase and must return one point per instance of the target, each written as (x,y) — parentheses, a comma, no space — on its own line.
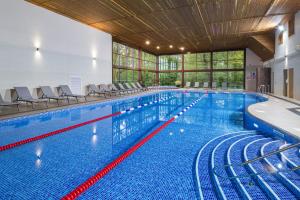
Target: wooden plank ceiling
(196,25)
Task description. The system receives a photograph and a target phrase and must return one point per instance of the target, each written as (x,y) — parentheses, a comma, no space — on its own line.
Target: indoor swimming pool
(49,155)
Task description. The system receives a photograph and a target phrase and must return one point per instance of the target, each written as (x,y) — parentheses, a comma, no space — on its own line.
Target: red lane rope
(28,140)
(22,142)
(92,180)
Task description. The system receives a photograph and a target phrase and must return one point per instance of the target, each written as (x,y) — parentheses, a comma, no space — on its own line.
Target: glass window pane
(169,78)
(222,64)
(170,62)
(123,75)
(236,64)
(203,77)
(203,57)
(219,78)
(129,76)
(115,75)
(197,77)
(135,76)
(203,65)
(235,55)
(236,80)
(220,55)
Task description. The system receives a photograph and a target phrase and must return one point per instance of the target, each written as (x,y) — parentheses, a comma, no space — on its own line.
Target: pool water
(161,169)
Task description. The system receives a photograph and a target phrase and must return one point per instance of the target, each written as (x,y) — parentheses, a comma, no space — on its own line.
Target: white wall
(252,63)
(286,56)
(66,47)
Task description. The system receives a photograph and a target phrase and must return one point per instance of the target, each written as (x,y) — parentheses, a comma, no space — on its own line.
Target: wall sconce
(37,53)
(94,62)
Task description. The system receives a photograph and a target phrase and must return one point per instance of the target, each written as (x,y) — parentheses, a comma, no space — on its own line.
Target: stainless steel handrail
(256,159)
(264,89)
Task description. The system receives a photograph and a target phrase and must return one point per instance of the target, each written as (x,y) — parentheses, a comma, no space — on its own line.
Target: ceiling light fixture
(181,48)
(147,42)
(171,46)
(158,47)
(281,28)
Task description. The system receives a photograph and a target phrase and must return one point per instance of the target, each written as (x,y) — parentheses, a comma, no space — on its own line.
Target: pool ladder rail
(263,89)
(214,170)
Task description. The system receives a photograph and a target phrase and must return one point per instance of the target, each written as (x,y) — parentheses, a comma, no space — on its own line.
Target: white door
(75,84)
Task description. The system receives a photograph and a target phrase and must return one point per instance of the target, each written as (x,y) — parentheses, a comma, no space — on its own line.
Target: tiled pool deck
(11,112)
(281,113)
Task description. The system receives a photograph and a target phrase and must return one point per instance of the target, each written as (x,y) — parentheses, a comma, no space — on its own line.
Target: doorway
(288,83)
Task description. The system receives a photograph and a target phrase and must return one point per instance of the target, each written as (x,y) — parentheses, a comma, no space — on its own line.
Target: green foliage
(126,62)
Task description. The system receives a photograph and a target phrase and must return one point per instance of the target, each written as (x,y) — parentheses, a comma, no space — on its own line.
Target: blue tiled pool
(163,168)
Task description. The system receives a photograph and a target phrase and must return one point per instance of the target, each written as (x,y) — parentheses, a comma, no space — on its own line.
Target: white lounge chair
(205,85)
(24,95)
(65,91)
(187,85)
(141,87)
(116,87)
(124,88)
(47,93)
(214,85)
(93,89)
(128,86)
(109,89)
(224,86)
(6,103)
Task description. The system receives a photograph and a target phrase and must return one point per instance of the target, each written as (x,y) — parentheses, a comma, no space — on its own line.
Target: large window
(169,67)
(228,66)
(198,61)
(170,62)
(148,73)
(169,78)
(200,77)
(219,67)
(131,65)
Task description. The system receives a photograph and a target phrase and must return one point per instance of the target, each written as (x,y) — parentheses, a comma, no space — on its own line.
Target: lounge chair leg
(18,107)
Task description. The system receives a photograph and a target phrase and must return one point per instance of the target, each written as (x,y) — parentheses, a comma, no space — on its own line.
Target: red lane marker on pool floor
(92,180)
(22,142)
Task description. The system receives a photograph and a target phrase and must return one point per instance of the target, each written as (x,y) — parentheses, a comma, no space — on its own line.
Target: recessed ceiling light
(181,48)
(147,42)
(281,28)
(158,47)
(171,46)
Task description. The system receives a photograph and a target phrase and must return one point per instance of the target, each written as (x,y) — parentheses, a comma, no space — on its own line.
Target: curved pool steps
(291,157)
(245,184)
(205,188)
(289,179)
(221,158)
(272,187)
(223,186)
